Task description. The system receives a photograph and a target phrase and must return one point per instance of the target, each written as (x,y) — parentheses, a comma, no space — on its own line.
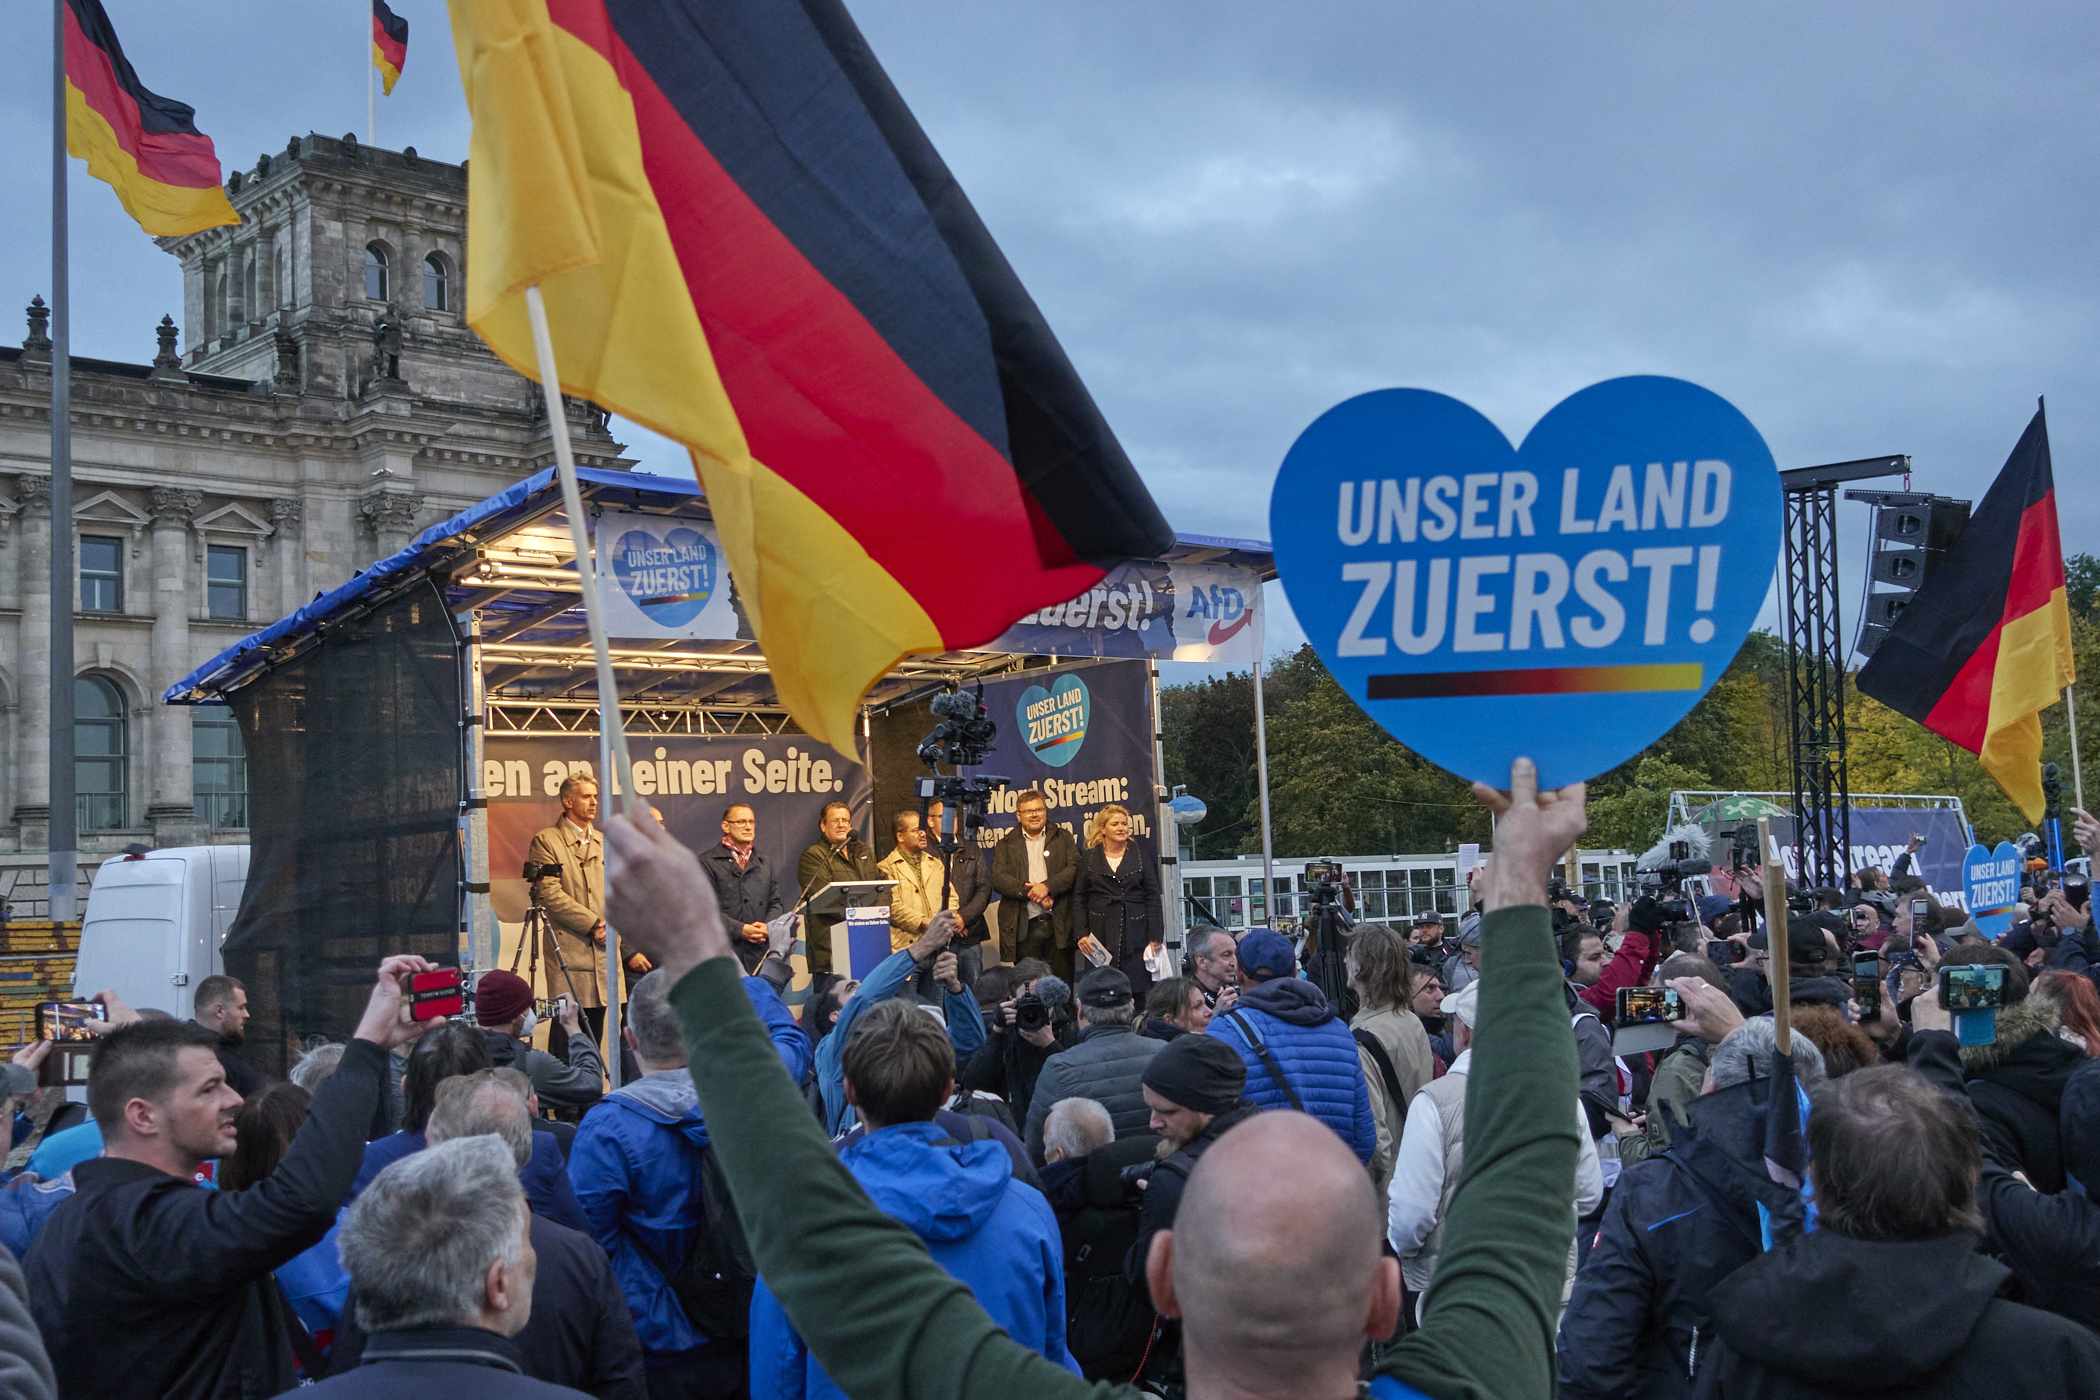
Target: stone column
(288,547)
(393,518)
(171,806)
(33,736)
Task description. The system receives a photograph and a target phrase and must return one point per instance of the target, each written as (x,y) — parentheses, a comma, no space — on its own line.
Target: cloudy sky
(1869,226)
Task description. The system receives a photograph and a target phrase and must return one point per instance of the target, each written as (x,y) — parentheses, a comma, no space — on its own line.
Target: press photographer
(1026,1031)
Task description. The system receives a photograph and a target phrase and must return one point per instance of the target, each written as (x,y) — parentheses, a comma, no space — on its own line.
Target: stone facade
(331,403)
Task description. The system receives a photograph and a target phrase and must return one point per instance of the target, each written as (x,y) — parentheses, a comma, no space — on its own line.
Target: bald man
(1274,1299)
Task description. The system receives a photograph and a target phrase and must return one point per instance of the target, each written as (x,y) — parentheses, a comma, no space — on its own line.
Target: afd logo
(670,578)
(1053,721)
(1226,609)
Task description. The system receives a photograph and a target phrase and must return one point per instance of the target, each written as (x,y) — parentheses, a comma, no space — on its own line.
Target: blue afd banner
(1570,599)
(1880,836)
(1991,886)
(1083,736)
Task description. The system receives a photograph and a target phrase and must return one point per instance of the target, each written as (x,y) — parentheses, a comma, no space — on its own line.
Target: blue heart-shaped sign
(1569,600)
(670,577)
(1990,883)
(1053,721)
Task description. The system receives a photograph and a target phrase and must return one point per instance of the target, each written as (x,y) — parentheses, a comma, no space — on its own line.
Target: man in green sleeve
(1273,1302)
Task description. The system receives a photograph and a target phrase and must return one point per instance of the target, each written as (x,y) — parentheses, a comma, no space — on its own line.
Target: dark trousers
(717,1371)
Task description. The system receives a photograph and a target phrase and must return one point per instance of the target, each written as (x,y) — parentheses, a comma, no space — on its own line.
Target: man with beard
(1195,1087)
(222,1008)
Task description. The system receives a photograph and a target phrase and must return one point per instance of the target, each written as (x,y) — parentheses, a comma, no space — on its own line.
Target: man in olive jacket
(1033,869)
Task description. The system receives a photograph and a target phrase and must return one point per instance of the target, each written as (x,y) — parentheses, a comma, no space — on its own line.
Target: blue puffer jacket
(981,1225)
(1313,1048)
(635,1165)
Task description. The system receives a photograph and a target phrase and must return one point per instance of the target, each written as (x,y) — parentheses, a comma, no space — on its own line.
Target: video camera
(965,735)
(541,869)
(963,739)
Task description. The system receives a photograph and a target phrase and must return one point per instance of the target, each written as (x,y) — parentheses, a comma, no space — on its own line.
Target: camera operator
(1026,1030)
(503,1007)
(1425,941)
(566,869)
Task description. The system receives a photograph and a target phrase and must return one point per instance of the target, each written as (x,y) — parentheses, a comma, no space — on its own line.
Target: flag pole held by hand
(613,733)
(1777,948)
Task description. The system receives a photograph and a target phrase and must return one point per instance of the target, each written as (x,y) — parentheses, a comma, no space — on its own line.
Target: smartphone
(68,1020)
(1866,984)
(1648,1006)
(432,995)
(1972,988)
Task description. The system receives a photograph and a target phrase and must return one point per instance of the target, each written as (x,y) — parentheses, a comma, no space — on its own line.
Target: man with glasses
(1214,961)
(743,881)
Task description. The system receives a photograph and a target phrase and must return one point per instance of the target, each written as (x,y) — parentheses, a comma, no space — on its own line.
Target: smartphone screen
(1866,984)
(1972,988)
(68,1020)
(1648,1006)
(1920,909)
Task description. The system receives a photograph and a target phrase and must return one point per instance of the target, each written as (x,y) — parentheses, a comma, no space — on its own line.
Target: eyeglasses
(741,821)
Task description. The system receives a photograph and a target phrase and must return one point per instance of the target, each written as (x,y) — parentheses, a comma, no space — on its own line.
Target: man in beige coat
(917,871)
(573,899)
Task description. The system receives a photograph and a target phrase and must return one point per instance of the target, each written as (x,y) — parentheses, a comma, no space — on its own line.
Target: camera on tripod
(962,739)
(1326,885)
(965,734)
(541,870)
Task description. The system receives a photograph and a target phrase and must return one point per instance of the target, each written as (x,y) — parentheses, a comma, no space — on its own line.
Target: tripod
(539,929)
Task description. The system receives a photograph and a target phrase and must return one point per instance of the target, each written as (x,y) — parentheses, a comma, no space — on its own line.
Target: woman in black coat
(1116,897)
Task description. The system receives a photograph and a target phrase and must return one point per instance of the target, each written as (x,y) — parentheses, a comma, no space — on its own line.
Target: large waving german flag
(389,45)
(1986,643)
(145,146)
(746,242)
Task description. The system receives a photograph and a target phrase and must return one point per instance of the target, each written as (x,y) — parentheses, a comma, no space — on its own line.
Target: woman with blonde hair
(1116,896)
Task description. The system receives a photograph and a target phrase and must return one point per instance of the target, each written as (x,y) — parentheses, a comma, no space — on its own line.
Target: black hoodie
(2017,1083)
(1825,1315)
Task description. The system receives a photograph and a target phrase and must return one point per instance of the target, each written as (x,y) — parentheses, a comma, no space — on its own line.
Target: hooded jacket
(1313,1048)
(634,1164)
(2017,1083)
(577,1084)
(1107,1066)
(1640,1322)
(986,1229)
(1826,1315)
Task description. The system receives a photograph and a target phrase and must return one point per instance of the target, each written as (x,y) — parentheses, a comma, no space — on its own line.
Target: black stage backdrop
(353,822)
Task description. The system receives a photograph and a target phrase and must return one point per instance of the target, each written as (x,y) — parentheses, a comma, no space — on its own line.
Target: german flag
(389,45)
(746,242)
(144,146)
(1986,643)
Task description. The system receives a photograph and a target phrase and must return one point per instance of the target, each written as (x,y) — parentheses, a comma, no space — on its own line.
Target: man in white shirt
(1432,1154)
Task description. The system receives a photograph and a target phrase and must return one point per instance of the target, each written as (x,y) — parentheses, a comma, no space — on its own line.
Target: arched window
(101,781)
(437,284)
(219,768)
(375,271)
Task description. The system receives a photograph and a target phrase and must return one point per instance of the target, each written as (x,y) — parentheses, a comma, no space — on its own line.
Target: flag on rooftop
(144,146)
(389,45)
(1985,645)
(747,243)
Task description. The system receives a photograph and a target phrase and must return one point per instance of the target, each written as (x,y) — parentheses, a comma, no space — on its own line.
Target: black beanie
(1199,1072)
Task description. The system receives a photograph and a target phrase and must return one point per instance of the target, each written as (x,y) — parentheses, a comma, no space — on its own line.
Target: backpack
(714,1284)
(1108,1319)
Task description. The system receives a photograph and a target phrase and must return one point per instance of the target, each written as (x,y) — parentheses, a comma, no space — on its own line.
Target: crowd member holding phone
(142,1283)
(503,1006)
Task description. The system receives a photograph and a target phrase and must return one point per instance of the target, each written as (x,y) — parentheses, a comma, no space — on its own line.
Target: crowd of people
(1091,1168)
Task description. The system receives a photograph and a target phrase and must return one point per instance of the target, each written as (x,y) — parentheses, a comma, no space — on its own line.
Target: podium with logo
(865,906)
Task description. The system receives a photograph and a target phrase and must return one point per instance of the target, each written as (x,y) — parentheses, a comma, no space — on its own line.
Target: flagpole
(371,96)
(612,733)
(1778,946)
(62,873)
(2077,769)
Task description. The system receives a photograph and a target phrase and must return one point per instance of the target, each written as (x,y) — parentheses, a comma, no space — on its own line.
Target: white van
(154,923)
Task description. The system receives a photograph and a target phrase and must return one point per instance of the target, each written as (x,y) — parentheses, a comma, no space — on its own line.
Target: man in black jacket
(1888,1295)
(580,1333)
(1033,868)
(1640,1321)
(145,1284)
(973,895)
(221,1007)
(1195,1088)
(744,883)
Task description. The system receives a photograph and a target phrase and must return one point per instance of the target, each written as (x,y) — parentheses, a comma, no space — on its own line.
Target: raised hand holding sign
(1570,599)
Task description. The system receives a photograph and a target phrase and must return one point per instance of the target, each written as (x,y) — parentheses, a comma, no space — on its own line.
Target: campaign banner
(1147,608)
(1880,836)
(1569,600)
(663,577)
(1991,886)
(786,780)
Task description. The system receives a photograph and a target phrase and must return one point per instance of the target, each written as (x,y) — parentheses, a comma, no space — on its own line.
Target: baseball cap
(1429,916)
(1104,987)
(1266,954)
